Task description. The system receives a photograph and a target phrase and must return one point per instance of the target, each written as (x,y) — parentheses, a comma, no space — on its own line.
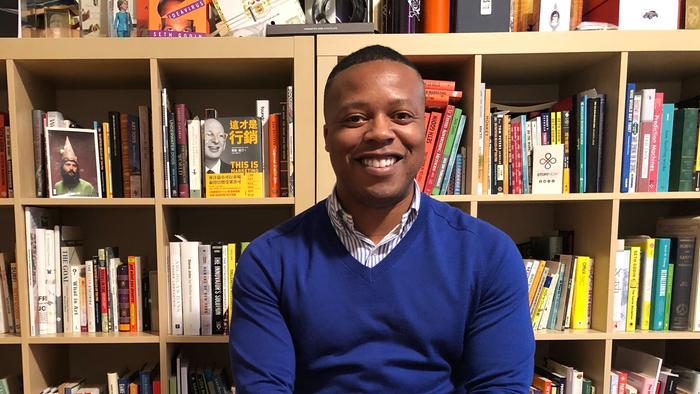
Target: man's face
(214,139)
(375,131)
(69,171)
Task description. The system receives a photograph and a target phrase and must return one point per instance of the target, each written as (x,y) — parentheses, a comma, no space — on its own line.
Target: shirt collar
(216,168)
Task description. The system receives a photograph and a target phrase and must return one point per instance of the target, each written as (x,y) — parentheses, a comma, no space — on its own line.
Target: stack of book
(145,380)
(660,148)
(192,377)
(9,297)
(248,156)
(70,294)
(200,279)
(120,158)
(639,372)
(552,148)
(6,184)
(555,377)
(444,168)
(655,284)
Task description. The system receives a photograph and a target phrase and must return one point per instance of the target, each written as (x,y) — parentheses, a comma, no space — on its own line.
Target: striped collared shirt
(362,248)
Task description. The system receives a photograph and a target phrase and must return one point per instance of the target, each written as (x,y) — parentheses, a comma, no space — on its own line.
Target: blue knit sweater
(445,311)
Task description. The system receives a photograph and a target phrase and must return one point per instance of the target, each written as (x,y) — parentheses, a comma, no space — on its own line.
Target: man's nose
(381,129)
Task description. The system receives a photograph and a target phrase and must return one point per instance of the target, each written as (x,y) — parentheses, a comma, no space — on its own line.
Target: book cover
(627,140)
(240,20)
(471,16)
(547,161)
(664,167)
(178,18)
(648,15)
(662,251)
(555,15)
(646,275)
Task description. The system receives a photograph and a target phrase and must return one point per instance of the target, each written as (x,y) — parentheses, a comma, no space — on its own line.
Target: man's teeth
(379,163)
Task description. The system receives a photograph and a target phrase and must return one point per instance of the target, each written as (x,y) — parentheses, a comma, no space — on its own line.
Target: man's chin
(384,196)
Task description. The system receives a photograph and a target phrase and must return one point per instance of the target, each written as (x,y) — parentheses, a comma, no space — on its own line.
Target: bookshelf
(90,77)
(87,78)
(542,67)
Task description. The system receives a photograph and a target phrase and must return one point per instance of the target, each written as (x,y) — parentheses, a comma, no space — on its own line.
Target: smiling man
(380,288)
(214,143)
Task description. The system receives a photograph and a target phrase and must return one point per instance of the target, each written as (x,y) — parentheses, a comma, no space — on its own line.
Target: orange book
(432,127)
(438,84)
(273,149)
(426,119)
(436,14)
(178,18)
(440,98)
(542,383)
(535,282)
(440,140)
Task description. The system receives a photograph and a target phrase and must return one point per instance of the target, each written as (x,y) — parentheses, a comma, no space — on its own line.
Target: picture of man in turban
(71,184)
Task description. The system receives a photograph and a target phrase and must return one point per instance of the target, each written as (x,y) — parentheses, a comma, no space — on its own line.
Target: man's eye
(354,119)
(404,116)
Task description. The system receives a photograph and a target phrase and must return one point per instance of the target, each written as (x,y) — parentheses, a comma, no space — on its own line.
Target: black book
(682,253)
(115,154)
(320,28)
(592,144)
(217,286)
(469,17)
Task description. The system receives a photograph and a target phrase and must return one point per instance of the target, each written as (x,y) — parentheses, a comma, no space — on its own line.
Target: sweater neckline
(371,274)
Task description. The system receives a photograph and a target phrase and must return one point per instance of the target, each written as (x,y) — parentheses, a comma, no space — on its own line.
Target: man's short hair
(365,55)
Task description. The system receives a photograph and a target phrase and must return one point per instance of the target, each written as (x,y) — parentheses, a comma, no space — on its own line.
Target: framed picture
(72,163)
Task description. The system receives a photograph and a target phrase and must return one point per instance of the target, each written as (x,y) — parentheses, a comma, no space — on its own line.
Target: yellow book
(107,160)
(231,250)
(535,283)
(579,308)
(553,128)
(697,153)
(633,288)
(646,275)
(559,141)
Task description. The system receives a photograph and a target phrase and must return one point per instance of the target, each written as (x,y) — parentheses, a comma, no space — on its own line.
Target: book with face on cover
(555,15)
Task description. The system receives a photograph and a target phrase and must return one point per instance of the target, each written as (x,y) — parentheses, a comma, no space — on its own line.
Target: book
(547,169)
(322,28)
(239,21)
(648,15)
(555,15)
(471,16)
(178,18)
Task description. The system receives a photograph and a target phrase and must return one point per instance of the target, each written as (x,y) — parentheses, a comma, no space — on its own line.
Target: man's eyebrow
(361,104)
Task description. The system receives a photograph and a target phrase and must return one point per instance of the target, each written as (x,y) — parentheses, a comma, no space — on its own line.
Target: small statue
(122,19)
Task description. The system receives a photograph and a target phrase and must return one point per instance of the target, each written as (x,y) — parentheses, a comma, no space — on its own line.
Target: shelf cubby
(7,235)
(585,356)
(639,217)
(11,360)
(675,73)
(683,352)
(205,355)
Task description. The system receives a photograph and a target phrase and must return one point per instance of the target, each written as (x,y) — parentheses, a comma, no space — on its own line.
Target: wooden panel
(216,73)
(325,177)
(7,233)
(89,73)
(512,217)
(157,128)
(538,68)
(11,360)
(99,337)
(45,365)
(84,106)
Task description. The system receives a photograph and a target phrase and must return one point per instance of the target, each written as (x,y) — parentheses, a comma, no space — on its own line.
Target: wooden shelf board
(544,197)
(95,338)
(664,196)
(552,335)
(227,73)
(639,334)
(89,202)
(92,73)
(7,202)
(197,339)
(197,202)
(10,339)
(464,198)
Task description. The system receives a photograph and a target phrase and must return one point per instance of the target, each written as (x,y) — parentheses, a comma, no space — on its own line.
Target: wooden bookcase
(540,67)
(86,78)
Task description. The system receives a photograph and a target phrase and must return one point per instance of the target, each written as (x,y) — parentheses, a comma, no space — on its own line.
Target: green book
(587,386)
(662,252)
(685,128)
(669,286)
(454,123)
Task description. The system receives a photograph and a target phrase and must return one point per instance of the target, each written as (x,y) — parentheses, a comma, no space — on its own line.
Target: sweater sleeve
(499,343)
(260,345)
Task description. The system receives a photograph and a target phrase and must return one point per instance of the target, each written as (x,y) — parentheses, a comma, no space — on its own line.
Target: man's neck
(210,163)
(375,222)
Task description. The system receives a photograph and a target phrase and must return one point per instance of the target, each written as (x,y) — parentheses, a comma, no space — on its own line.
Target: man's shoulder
(297,229)
(224,167)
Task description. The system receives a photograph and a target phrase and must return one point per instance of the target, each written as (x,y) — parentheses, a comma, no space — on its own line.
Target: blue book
(627,140)
(458,174)
(453,154)
(662,253)
(523,139)
(665,148)
(552,322)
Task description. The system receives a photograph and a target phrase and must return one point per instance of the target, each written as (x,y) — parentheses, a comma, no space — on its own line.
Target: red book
(516,156)
(438,84)
(655,141)
(435,98)
(3,157)
(104,303)
(273,147)
(439,149)
(645,137)
(621,381)
(542,383)
(183,174)
(432,126)
(156,387)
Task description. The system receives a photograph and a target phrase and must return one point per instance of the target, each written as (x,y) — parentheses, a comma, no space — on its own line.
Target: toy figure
(122,19)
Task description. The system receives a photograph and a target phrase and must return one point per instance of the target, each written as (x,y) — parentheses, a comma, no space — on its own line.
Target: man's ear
(325,137)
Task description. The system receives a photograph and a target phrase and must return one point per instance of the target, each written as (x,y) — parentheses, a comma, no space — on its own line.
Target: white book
(34,218)
(6,304)
(90,294)
(614,382)
(262,111)
(648,15)
(194,157)
(648,96)
(54,119)
(675,227)
(547,169)
(41,280)
(176,313)
(75,296)
(555,15)
(51,275)
(620,288)
(634,144)
(190,287)
(554,268)
(58,285)
(225,282)
(113,382)
(206,290)
(570,297)
(165,107)
(113,263)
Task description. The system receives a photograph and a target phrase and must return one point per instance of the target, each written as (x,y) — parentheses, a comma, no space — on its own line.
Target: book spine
(8,155)
(662,250)
(580,303)
(627,141)
(176,289)
(646,276)
(189,255)
(90,295)
(182,150)
(439,84)
(115,153)
(582,138)
(123,296)
(15,296)
(633,291)
(172,155)
(134,156)
(682,250)
(104,284)
(499,176)
(205,287)
(655,142)
(82,289)
(39,152)
(229,268)
(125,169)
(634,144)
(3,158)
(145,151)
(274,155)
(431,132)
(665,148)
(447,149)
(107,153)
(42,280)
(134,308)
(101,157)
(290,139)
(620,290)
(114,263)
(96,294)
(645,136)
(75,297)
(262,110)
(166,142)
(592,143)
(436,17)
(284,153)
(217,270)
(439,149)
(667,307)
(194,158)
(65,289)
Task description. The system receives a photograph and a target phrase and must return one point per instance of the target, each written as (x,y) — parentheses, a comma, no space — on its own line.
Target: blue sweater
(445,311)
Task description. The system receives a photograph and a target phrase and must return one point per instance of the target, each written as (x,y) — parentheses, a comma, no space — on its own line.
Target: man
(214,144)
(71,184)
(380,288)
